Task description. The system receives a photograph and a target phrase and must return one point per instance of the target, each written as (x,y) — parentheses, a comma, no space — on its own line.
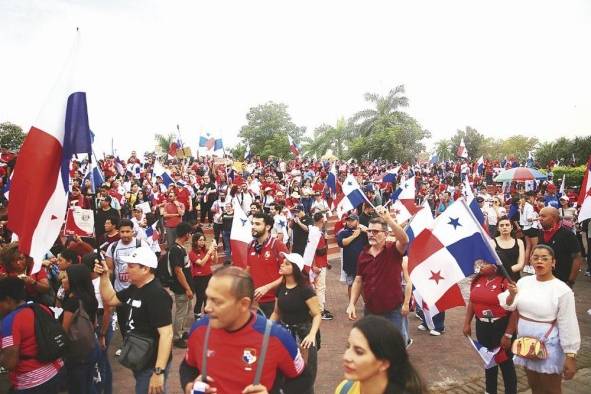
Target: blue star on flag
(281,223)
(243,221)
(454,222)
(350,183)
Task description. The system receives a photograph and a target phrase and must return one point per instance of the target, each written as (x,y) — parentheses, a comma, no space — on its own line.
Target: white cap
(142,255)
(294,258)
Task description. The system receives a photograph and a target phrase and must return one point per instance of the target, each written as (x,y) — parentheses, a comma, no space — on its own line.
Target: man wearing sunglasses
(379,270)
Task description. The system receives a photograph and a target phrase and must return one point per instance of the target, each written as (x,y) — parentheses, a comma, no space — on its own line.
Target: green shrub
(574,175)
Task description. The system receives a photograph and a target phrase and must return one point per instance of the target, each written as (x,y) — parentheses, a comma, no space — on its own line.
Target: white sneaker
(409,343)
(434,333)
(118,352)
(421,327)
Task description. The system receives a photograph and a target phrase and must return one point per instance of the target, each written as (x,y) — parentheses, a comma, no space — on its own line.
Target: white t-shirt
(120,268)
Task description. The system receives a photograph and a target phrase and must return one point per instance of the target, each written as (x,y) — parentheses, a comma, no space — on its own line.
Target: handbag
(532,348)
(137,352)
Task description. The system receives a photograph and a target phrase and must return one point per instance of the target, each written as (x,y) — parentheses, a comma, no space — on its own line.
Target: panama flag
(352,196)
(441,256)
(240,235)
(480,166)
(585,194)
(314,235)
(39,188)
(96,177)
(490,358)
(473,204)
(152,232)
(331,179)
(162,173)
(293,147)
(422,220)
(390,176)
(404,200)
(462,151)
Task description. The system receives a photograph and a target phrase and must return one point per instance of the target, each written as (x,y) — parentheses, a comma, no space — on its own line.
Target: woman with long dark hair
(511,250)
(376,359)
(202,258)
(298,309)
(79,292)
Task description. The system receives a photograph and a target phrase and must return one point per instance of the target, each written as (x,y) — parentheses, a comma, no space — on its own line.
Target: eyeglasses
(544,259)
(374,232)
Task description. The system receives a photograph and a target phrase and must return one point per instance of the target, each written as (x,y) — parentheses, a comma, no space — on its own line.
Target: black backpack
(52,340)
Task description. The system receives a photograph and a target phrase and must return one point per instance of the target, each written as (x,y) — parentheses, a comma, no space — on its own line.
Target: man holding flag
(379,271)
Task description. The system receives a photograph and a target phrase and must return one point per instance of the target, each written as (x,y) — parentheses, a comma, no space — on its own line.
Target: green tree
(329,137)
(385,112)
(267,129)
(163,141)
(11,136)
(518,146)
(385,132)
(444,149)
(475,142)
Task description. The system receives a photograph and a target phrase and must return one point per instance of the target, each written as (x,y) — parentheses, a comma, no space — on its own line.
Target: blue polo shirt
(352,251)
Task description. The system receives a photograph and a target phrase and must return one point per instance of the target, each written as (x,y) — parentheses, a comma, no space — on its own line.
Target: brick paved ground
(447,363)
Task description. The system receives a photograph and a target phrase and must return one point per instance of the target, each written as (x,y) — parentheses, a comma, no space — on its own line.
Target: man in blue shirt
(352,238)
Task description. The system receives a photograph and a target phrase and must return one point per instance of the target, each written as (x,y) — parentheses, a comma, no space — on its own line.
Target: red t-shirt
(484,295)
(31,290)
(199,270)
(183,196)
(233,356)
(264,266)
(381,278)
(18,329)
(173,221)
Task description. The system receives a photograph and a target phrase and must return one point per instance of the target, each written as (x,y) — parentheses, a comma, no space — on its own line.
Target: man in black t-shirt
(180,286)
(564,243)
(151,313)
(299,226)
(104,212)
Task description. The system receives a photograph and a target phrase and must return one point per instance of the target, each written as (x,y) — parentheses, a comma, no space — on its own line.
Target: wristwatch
(158,371)
(571,355)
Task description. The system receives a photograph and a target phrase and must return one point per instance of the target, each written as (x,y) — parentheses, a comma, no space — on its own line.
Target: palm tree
(329,137)
(163,141)
(386,110)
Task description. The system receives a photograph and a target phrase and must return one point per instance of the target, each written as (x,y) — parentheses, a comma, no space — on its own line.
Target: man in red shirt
(263,261)
(379,271)
(235,338)
(19,344)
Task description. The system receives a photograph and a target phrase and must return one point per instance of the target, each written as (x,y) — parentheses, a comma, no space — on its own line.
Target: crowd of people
(160,270)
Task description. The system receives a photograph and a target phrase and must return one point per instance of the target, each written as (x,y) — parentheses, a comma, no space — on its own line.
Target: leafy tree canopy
(11,136)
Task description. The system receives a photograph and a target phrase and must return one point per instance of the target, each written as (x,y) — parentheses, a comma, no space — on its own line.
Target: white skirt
(554,364)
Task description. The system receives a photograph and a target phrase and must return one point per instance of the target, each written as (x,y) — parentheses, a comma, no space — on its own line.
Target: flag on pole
(403,200)
(422,219)
(314,235)
(441,256)
(162,173)
(218,145)
(240,235)
(293,147)
(480,166)
(390,176)
(352,196)
(490,358)
(462,151)
(152,232)
(247,152)
(39,188)
(585,194)
(96,177)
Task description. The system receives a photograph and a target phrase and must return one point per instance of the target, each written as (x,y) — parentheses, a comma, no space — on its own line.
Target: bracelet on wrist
(507,335)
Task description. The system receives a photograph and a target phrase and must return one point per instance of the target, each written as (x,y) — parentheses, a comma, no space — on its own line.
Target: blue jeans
(105,386)
(142,380)
(395,317)
(438,319)
(80,375)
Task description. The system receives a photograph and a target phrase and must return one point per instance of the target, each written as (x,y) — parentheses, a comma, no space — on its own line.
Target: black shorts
(531,232)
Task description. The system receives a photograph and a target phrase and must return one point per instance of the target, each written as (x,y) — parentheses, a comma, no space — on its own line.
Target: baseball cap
(353,217)
(142,255)
(563,198)
(294,258)
(298,207)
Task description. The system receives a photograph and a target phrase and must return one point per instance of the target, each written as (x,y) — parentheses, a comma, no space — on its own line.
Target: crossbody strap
(204,354)
(261,363)
(346,387)
(545,337)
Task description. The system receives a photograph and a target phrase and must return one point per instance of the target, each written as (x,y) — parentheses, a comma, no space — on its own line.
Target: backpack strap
(113,247)
(138,243)
(346,387)
(264,347)
(204,354)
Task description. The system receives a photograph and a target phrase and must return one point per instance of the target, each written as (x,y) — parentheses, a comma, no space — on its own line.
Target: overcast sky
(503,67)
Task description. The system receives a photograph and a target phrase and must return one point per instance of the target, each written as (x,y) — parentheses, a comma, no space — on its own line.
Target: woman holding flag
(494,325)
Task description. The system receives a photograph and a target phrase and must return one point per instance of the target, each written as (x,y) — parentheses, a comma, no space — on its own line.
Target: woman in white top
(543,301)
(527,216)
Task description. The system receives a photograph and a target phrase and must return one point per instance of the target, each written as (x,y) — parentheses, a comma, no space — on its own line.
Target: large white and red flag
(403,200)
(462,151)
(240,236)
(40,185)
(440,256)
